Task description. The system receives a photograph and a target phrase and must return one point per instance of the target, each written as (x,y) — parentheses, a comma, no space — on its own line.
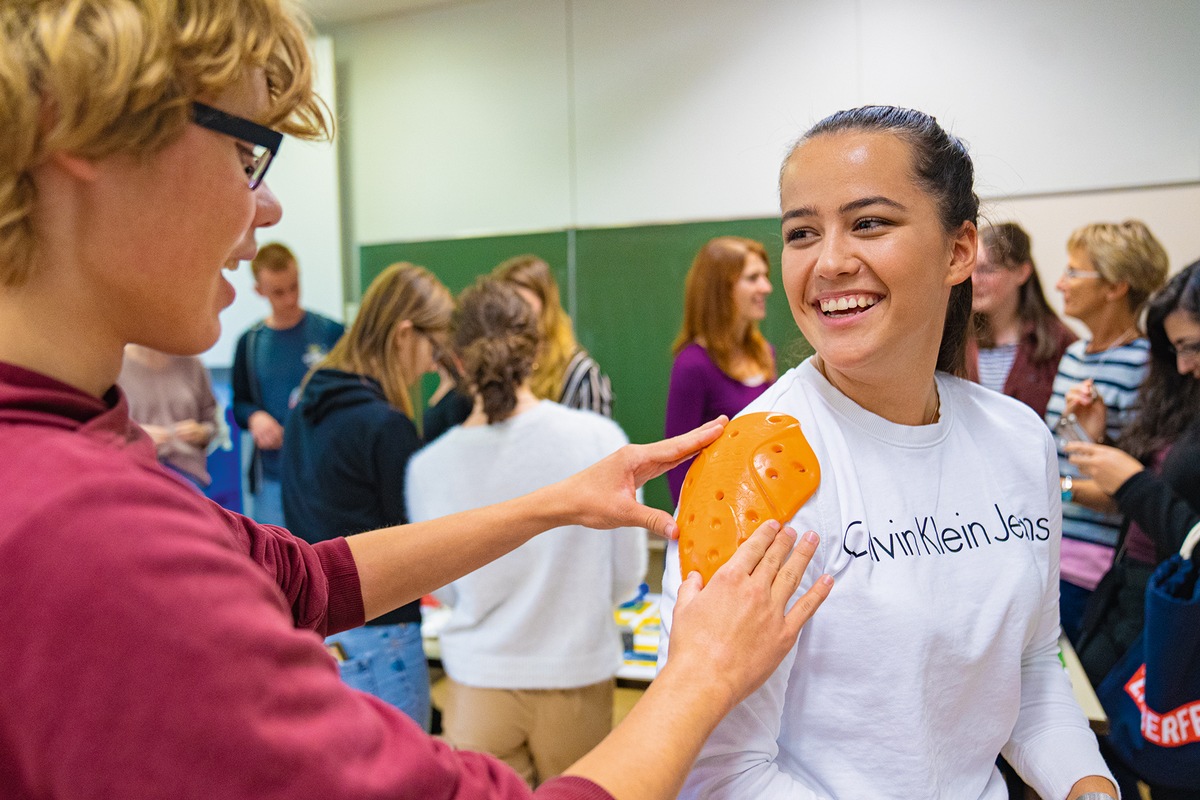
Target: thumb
(659,522)
(688,590)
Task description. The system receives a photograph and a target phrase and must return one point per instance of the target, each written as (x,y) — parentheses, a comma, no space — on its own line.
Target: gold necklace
(937,396)
(1128,335)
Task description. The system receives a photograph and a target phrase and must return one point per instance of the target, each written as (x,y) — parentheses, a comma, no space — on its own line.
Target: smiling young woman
(941,499)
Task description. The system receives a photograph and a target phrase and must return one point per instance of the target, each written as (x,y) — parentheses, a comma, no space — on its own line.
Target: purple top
(701,391)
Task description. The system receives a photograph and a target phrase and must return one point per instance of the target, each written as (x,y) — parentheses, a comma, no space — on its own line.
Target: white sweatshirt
(937,649)
(540,617)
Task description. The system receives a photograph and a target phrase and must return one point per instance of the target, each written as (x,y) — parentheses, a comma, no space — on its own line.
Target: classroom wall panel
(458,121)
(506,115)
(683,116)
(457,262)
(1051,96)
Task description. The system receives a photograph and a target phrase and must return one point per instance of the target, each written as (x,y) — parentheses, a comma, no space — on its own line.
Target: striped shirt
(585,386)
(994,365)
(1117,373)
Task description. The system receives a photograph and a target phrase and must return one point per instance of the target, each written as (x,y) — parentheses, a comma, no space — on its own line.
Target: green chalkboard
(630,306)
(458,261)
(629,300)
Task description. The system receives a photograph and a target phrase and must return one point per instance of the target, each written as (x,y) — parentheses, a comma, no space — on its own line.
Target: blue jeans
(388,661)
(267,506)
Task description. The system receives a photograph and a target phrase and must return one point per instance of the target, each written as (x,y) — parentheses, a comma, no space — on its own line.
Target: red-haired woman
(722,361)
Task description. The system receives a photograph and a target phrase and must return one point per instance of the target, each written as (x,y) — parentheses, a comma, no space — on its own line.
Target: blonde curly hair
(97,78)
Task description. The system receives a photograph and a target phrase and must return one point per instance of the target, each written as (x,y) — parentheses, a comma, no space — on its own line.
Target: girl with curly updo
(531,647)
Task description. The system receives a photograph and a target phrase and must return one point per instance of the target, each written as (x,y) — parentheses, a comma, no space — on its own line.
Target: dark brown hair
(1167,402)
(496,334)
(1009,247)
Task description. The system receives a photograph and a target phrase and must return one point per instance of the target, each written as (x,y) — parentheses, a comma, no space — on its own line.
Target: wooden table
(1085,695)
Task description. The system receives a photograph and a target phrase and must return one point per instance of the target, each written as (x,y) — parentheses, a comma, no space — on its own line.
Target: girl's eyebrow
(853,205)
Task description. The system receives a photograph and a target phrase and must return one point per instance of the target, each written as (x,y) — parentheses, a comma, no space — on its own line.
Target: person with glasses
(1112,269)
(1153,475)
(346,447)
(1017,339)
(162,646)
(270,360)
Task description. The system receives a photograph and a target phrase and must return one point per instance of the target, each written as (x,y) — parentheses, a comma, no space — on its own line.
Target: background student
(531,646)
(347,446)
(1153,475)
(564,372)
(271,359)
(722,361)
(1112,268)
(169,647)
(939,651)
(171,397)
(1018,339)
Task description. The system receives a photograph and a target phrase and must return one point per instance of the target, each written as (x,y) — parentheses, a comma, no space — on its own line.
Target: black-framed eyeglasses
(1185,349)
(263,142)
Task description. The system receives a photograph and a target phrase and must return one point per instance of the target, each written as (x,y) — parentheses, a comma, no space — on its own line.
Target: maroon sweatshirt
(156,645)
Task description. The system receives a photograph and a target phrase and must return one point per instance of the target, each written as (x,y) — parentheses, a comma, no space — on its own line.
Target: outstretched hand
(1108,466)
(605,494)
(737,629)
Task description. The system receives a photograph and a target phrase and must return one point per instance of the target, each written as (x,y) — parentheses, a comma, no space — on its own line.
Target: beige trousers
(538,732)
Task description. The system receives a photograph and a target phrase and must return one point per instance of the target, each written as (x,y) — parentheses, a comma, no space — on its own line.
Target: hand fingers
(775,557)
(674,451)
(803,609)
(750,552)
(796,562)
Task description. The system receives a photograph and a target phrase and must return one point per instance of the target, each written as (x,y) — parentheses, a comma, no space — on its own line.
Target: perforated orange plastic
(760,468)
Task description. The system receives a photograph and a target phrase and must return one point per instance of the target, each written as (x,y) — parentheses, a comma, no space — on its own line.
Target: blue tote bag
(1152,695)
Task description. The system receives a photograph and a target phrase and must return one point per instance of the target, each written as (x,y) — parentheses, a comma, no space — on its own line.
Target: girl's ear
(402,330)
(964,248)
(76,166)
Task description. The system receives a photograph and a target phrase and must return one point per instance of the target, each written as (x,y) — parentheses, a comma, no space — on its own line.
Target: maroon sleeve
(320,582)
(147,656)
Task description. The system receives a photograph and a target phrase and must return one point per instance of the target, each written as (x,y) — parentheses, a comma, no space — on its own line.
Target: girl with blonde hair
(564,371)
(1112,269)
(346,447)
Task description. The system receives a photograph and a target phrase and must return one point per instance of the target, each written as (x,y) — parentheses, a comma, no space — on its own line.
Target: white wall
(305,178)
(518,115)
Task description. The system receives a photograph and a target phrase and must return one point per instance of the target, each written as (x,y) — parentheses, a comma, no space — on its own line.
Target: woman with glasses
(1018,339)
(1153,475)
(161,646)
(346,446)
(1112,268)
